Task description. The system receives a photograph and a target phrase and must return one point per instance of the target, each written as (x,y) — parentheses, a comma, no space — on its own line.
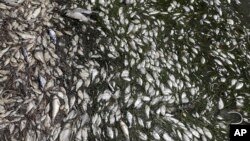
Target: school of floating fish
(121,70)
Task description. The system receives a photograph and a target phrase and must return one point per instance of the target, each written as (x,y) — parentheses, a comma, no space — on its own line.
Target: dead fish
(239,85)
(39,56)
(65,133)
(126,2)
(52,35)
(26,36)
(13,2)
(55,107)
(124,128)
(4,7)
(36,12)
(25,54)
(42,81)
(110,132)
(2,52)
(84,11)
(79,84)
(79,14)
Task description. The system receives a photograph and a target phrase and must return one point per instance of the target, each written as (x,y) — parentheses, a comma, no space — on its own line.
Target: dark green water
(198,51)
(168,70)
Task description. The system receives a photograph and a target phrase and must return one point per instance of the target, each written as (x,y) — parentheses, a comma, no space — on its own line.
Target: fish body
(84,11)
(125,131)
(80,14)
(42,81)
(52,35)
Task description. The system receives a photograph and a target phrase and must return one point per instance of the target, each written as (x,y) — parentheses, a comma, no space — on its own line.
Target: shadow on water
(244,10)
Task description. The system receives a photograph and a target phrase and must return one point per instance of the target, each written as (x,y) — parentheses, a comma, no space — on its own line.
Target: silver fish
(84,11)
(25,54)
(125,131)
(42,81)
(52,35)
(80,14)
(55,107)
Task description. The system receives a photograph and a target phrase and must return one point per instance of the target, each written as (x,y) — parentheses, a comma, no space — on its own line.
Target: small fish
(3,51)
(13,2)
(41,81)
(126,2)
(52,35)
(230,22)
(94,74)
(239,85)
(125,73)
(106,95)
(194,132)
(39,56)
(36,12)
(130,118)
(55,106)
(166,137)
(143,136)
(26,35)
(66,132)
(79,84)
(110,132)
(156,135)
(221,104)
(207,133)
(25,54)
(124,128)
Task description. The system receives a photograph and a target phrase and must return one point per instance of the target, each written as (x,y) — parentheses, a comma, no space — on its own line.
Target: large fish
(80,14)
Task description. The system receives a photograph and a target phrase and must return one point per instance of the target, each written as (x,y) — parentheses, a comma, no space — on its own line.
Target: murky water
(243,9)
(167,69)
(189,60)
